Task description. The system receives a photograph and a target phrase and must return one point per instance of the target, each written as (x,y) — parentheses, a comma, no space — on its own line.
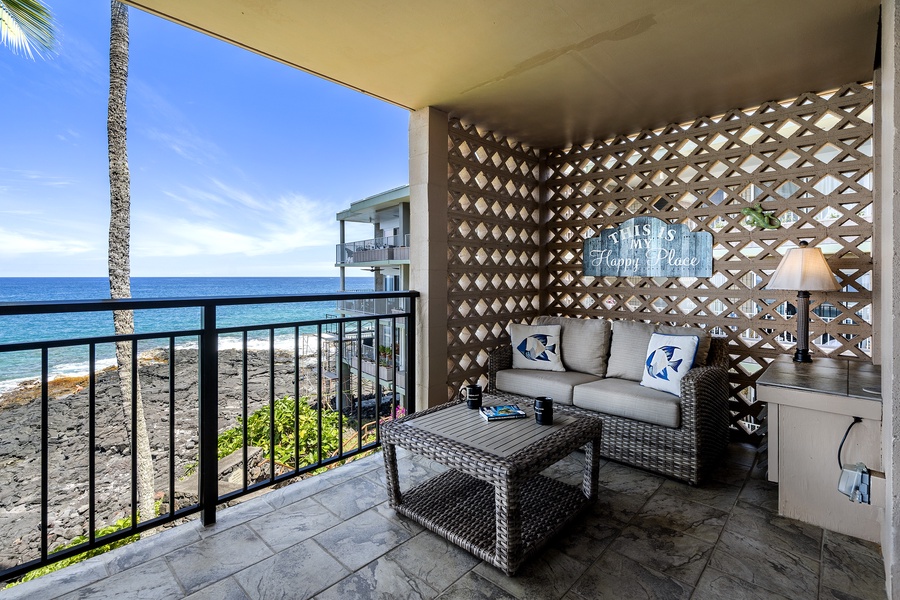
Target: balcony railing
(380,362)
(392,247)
(374,306)
(193,400)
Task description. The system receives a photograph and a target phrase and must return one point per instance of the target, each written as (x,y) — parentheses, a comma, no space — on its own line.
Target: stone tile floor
(334,536)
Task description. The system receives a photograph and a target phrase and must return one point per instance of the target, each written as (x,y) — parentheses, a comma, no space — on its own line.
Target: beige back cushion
(585,343)
(630,339)
(629,349)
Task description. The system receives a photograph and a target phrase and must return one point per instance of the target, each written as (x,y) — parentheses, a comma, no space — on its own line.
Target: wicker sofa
(680,437)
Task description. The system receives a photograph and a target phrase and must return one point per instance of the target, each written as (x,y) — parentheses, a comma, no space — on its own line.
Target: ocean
(16,367)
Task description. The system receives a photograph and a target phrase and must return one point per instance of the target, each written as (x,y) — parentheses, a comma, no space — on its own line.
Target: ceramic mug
(473,396)
(543,410)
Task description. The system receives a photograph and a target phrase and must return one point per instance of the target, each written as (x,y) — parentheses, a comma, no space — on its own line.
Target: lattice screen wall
(809,160)
(494,261)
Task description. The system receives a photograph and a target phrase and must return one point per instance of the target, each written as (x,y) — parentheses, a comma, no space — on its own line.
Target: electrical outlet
(854,483)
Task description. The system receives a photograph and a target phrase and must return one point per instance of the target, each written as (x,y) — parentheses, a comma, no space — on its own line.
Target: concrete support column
(428,132)
(887,255)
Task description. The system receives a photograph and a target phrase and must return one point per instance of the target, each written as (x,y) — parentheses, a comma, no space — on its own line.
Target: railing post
(411,357)
(209,415)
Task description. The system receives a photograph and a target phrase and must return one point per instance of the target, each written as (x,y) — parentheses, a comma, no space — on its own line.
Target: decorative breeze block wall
(809,160)
(493,245)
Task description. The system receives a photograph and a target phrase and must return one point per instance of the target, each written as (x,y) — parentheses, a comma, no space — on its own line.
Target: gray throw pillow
(585,343)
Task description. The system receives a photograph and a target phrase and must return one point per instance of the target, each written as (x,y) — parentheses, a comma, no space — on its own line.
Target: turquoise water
(17,366)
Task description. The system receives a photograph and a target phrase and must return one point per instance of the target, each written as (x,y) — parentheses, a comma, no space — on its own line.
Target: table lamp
(803,269)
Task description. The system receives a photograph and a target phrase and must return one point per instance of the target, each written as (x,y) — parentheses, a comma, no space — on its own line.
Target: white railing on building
(392,247)
(373,306)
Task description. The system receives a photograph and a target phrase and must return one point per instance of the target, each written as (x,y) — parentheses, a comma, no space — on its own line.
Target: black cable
(846,433)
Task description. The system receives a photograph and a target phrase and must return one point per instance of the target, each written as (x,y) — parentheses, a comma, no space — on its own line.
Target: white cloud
(238,195)
(185,238)
(185,143)
(173,129)
(70,135)
(196,208)
(233,223)
(18,243)
(34,177)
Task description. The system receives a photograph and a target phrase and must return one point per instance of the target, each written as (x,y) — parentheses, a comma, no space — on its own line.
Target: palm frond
(26,26)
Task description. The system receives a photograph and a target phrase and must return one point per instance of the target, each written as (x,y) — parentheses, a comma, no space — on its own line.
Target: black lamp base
(802,353)
(802,356)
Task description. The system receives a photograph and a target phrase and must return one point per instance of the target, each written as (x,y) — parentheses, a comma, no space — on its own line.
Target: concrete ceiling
(556,72)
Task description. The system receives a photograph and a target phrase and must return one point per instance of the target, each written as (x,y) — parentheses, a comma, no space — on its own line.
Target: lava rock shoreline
(68,439)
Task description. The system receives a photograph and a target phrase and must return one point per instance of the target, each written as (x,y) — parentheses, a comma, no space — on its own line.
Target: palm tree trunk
(119,248)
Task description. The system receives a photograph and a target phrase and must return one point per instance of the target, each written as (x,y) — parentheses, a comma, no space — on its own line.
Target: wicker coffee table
(492,501)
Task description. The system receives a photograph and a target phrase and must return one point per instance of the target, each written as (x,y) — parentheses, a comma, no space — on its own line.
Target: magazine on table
(503,411)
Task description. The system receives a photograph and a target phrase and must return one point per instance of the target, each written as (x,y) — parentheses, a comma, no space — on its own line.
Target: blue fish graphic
(535,347)
(660,361)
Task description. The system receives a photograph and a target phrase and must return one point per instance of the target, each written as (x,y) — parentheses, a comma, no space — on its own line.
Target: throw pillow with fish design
(536,347)
(669,357)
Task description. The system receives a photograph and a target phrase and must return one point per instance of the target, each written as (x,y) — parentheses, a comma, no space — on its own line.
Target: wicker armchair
(685,452)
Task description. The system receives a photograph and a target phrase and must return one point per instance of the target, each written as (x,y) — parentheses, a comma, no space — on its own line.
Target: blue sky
(238,163)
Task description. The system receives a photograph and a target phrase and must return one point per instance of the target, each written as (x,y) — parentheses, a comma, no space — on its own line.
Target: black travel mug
(543,410)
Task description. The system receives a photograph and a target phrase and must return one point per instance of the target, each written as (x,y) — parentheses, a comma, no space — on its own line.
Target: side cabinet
(810,407)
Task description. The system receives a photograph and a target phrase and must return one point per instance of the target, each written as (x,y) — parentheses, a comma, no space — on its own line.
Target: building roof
(552,73)
(363,211)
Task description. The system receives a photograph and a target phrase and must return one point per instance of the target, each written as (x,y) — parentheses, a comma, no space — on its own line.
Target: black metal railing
(336,393)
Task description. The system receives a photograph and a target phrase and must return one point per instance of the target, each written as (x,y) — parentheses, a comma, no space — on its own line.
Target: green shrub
(231,439)
(117,526)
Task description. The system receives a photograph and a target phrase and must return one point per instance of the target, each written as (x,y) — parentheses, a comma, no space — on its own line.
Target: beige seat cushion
(628,350)
(585,343)
(556,384)
(630,400)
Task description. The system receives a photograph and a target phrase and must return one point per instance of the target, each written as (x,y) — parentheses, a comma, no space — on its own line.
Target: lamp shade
(804,268)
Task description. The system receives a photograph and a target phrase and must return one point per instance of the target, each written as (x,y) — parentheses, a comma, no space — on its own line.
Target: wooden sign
(649,247)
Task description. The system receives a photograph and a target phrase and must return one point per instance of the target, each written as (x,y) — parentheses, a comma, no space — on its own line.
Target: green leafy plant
(117,526)
(306,430)
(385,356)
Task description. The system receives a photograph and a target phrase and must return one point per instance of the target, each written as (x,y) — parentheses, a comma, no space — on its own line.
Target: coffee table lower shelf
(461,508)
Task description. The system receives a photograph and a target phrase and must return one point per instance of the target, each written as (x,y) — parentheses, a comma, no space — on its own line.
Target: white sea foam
(58,371)
(80,369)
(307,345)
(11,384)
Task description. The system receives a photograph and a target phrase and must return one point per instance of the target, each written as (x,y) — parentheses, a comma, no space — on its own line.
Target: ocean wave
(11,384)
(306,342)
(80,369)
